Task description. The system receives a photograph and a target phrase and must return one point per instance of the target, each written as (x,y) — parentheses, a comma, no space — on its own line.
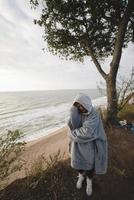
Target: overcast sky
(23,64)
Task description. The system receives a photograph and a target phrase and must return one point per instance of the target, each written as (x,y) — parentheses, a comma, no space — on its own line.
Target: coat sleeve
(86,133)
(75,118)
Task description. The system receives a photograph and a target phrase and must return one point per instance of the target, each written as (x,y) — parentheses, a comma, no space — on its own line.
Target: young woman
(88,147)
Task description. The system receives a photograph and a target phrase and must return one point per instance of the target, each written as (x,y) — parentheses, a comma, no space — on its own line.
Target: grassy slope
(58,181)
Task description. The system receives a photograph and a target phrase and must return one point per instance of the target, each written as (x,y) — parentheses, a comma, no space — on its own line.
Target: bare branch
(84,41)
(126,91)
(131,95)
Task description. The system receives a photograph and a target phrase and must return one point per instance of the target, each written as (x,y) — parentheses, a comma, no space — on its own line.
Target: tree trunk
(110,78)
(114,65)
(111,100)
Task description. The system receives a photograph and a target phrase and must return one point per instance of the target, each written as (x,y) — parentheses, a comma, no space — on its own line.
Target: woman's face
(80,107)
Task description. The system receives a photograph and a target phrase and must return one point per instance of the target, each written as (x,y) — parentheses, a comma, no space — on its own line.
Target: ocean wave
(36,117)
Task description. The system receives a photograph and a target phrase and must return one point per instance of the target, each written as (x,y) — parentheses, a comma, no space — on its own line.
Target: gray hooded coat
(88,138)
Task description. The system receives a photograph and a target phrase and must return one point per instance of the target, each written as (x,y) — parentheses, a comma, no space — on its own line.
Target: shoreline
(48,134)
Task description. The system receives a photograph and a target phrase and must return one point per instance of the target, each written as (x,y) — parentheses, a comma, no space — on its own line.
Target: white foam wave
(39,121)
(101,101)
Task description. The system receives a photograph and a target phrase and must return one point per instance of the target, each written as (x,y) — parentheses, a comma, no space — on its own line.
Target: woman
(88,147)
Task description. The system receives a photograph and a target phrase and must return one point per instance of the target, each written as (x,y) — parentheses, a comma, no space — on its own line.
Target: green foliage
(34,2)
(10,149)
(74,29)
(127,113)
(71,26)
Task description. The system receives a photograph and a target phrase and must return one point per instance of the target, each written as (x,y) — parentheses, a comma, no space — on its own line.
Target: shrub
(40,166)
(127,112)
(10,149)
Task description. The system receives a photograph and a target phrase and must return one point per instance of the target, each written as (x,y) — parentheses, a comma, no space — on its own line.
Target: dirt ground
(58,182)
(105,187)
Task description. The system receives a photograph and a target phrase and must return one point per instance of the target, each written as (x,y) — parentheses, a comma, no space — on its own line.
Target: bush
(10,149)
(40,166)
(127,113)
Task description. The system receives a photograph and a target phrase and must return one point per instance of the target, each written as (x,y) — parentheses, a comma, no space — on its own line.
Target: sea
(39,113)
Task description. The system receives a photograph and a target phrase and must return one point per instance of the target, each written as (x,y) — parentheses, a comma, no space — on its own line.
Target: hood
(85,101)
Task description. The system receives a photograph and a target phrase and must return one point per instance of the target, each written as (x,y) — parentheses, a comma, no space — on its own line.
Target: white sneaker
(89,186)
(80,181)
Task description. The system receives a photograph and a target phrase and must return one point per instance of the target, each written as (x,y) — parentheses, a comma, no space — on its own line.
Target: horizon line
(48,90)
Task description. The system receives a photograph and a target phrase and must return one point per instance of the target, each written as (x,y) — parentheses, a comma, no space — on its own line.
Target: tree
(96,28)
(125,90)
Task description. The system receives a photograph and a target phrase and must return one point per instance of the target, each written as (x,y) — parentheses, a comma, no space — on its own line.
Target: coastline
(49,134)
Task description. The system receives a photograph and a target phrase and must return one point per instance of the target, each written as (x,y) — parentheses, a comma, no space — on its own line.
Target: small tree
(10,149)
(94,28)
(125,89)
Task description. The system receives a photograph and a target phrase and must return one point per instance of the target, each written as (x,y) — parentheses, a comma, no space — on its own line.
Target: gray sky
(23,64)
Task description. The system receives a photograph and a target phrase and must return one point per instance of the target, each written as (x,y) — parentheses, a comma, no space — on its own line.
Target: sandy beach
(48,145)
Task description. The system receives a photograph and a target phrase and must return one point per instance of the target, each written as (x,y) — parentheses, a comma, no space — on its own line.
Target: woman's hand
(70,125)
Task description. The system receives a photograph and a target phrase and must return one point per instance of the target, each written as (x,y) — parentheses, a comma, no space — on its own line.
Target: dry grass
(127,113)
(121,151)
(35,172)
